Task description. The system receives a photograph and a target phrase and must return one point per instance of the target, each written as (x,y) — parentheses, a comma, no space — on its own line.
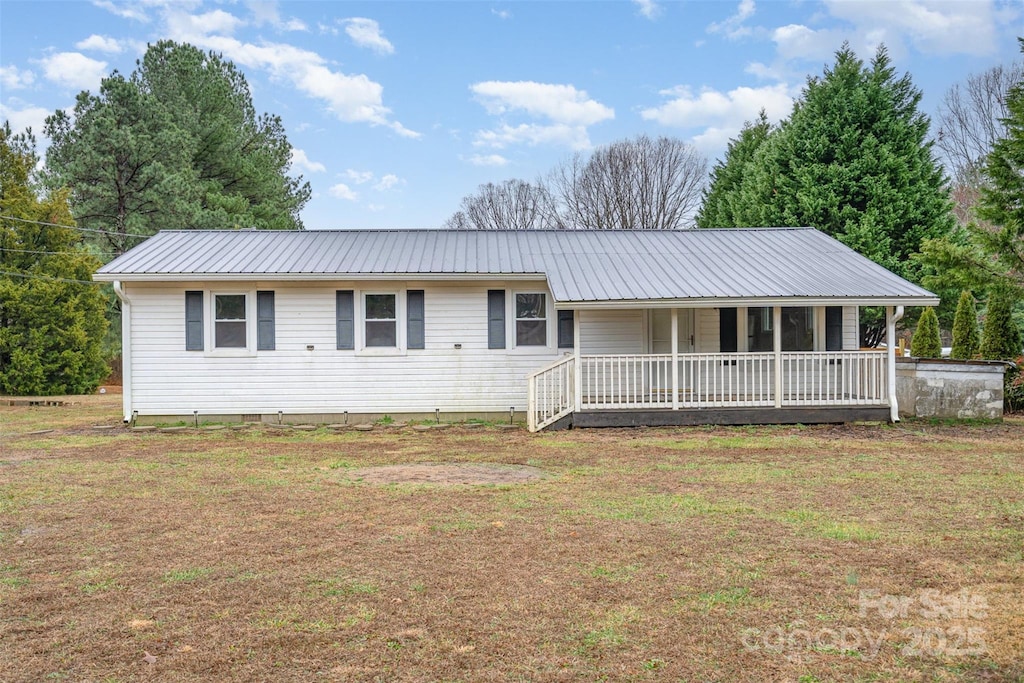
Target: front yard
(789,553)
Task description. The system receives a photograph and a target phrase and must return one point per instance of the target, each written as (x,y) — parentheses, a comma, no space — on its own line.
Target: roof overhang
(311,277)
(752,302)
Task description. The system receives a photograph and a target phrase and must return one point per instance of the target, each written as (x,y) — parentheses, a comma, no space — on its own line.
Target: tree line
(178,144)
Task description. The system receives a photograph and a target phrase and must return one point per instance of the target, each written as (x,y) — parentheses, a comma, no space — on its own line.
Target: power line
(75,227)
(58,253)
(47,278)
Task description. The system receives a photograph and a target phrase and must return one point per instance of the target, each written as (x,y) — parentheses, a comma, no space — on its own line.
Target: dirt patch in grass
(446,474)
(856,553)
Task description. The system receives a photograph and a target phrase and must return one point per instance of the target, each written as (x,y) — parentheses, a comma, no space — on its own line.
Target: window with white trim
(531,319)
(380,320)
(229,324)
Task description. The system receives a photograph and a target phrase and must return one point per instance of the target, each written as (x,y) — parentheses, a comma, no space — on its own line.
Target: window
(194,321)
(566,330)
(834,328)
(727,332)
(531,320)
(797,329)
(760,334)
(229,321)
(379,314)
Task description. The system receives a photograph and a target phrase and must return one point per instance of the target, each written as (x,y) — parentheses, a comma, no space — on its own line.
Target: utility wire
(58,253)
(47,278)
(75,227)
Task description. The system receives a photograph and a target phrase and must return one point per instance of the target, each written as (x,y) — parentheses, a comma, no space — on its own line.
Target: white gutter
(890,351)
(126,350)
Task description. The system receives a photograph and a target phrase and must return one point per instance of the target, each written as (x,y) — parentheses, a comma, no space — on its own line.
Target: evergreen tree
(966,341)
(176,145)
(51,315)
(926,342)
(853,160)
(720,207)
(1001,338)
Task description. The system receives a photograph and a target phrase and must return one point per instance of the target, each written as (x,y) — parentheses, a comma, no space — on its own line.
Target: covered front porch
(689,385)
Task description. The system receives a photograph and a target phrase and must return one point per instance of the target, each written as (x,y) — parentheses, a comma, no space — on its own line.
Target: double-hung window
(531,319)
(381,320)
(229,325)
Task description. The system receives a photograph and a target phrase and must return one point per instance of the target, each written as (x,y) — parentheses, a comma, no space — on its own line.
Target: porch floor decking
(663,417)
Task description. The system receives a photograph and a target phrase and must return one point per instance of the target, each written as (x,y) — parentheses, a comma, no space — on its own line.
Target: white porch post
(675,359)
(577,362)
(777,347)
(126,350)
(890,359)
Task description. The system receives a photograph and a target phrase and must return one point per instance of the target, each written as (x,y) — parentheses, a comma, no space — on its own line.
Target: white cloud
(488,160)
(931,26)
(366,33)
(266,12)
(215,22)
(13,78)
(351,98)
(302,161)
(799,42)
(100,44)
(648,8)
(560,103)
(73,70)
(28,117)
(719,115)
(387,182)
(343,191)
(358,177)
(733,27)
(127,10)
(568,112)
(502,14)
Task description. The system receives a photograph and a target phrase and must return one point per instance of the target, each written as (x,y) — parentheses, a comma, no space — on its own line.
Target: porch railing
(551,393)
(626,381)
(831,378)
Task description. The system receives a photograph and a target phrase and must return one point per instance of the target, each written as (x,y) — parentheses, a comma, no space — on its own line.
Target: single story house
(583,327)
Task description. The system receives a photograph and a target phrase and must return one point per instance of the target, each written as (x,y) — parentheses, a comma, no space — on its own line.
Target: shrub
(966,338)
(1000,339)
(1013,388)
(926,342)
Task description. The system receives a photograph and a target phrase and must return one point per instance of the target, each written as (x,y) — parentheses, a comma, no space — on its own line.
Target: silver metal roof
(580,266)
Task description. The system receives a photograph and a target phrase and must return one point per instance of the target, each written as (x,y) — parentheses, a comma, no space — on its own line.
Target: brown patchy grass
(648,554)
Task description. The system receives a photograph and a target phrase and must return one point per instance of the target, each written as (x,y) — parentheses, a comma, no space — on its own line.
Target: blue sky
(396,110)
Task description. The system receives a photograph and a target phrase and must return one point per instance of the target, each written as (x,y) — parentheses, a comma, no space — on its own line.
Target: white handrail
(551,393)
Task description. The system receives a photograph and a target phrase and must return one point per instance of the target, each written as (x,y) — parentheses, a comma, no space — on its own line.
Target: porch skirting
(723,416)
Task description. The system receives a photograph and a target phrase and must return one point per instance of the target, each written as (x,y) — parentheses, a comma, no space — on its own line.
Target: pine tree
(1001,338)
(926,342)
(178,144)
(51,315)
(966,341)
(720,208)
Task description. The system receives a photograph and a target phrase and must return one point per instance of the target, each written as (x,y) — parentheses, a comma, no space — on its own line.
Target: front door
(660,332)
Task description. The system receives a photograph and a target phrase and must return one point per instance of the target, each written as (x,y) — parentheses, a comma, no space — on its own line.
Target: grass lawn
(852,553)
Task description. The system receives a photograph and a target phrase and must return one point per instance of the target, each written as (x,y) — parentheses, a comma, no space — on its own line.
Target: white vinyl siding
(619,331)
(707,330)
(851,328)
(167,380)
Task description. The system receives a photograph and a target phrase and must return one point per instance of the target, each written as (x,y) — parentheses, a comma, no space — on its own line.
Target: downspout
(126,350)
(890,350)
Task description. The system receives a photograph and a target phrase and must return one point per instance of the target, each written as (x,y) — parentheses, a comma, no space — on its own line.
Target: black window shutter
(834,328)
(414,314)
(495,318)
(194,321)
(727,330)
(265,333)
(346,312)
(565,330)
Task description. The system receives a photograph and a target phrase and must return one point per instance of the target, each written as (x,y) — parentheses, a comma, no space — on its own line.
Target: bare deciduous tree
(510,205)
(971,117)
(641,183)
